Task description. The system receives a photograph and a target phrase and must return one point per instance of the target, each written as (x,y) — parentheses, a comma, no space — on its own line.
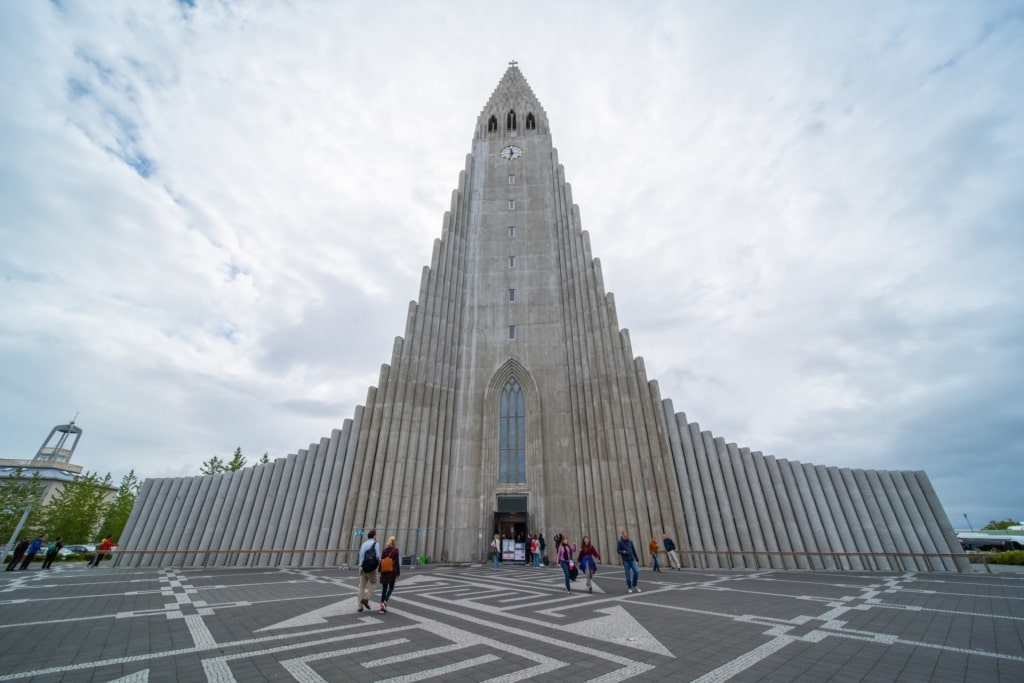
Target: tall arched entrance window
(512,435)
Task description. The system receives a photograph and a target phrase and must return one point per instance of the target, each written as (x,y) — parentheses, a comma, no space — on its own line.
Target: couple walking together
(371,558)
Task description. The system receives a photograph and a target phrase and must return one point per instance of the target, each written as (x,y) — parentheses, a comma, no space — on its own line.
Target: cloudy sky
(213,216)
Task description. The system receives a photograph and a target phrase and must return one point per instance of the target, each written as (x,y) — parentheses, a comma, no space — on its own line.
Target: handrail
(872,560)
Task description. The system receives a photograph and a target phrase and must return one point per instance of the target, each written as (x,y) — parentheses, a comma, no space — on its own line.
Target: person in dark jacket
(630,562)
(32,551)
(390,569)
(19,552)
(670,550)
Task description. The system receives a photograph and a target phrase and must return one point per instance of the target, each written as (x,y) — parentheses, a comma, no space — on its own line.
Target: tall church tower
(513,404)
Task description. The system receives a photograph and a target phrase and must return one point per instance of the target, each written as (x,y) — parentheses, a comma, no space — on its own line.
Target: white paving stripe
(441,670)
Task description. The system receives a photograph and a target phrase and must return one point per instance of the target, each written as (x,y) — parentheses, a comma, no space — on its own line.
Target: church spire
(513,110)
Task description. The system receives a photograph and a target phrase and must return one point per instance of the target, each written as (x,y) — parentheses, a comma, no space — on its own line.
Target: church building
(513,404)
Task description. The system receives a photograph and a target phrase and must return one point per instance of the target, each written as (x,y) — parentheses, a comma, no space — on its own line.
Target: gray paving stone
(471,623)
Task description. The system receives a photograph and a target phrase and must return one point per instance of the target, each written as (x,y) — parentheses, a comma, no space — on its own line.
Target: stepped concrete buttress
(514,401)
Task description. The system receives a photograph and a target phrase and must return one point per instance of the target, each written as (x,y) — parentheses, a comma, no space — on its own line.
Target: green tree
(76,511)
(237,461)
(264,459)
(120,507)
(996,526)
(213,466)
(17,492)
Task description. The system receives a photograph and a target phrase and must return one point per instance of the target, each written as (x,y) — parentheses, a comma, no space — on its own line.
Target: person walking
(51,553)
(535,551)
(496,550)
(652,547)
(369,559)
(564,558)
(670,550)
(19,552)
(630,561)
(586,561)
(390,568)
(32,551)
(543,548)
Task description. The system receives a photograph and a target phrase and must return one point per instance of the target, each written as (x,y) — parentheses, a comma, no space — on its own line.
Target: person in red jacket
(104,548)
(587,561)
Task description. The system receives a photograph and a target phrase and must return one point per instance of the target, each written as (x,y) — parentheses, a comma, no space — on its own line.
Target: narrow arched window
(531,123)
(492,124)
(510,120)
(512,439)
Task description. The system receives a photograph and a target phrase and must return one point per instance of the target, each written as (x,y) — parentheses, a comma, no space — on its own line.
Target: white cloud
(214,218)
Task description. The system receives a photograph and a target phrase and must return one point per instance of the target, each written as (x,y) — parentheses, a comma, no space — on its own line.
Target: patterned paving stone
(516,623)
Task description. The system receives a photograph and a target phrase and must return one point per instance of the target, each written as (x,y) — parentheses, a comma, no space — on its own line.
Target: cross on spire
(513,63)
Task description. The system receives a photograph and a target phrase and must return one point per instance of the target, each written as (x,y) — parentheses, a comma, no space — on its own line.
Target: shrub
(1008,557)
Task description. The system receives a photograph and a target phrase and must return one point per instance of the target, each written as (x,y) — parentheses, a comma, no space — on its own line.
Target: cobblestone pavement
(72,623)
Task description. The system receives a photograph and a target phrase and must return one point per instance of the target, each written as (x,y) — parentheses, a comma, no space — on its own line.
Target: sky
(213,216)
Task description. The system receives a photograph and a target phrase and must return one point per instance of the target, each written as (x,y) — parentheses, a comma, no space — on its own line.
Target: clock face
(511,152)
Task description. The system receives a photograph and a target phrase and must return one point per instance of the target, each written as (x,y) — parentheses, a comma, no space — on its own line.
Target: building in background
(513,404)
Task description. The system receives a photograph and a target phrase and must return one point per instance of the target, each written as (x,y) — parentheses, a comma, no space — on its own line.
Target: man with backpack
(369,560)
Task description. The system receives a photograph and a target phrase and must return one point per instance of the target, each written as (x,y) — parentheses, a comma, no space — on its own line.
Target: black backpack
(370,559)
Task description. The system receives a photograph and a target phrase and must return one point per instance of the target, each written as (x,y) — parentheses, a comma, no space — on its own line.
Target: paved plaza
(516,623)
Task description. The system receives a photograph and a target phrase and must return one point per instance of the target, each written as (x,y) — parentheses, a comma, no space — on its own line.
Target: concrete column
(248,513)
(224,519)
(324,467)
(144,527)
(896,491)
(788,497)
(851,533)
(881,520)
(775,523)
(764,516)
(941,524)
(863,520)
(729,540)
(282,509)
(829,539)
(752,521)
(295,513)
(712,532)
(687,535)
(199,515)
(255,526)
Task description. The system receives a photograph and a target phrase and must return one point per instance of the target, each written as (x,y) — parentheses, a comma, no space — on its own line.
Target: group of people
(25,552)
(384,566)
(572,561)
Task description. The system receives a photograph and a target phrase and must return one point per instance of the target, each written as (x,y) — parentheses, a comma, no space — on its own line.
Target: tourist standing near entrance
(496,550)
(653,548)
(627,553)
(369,554)
(543,548)
(564,558)
(670,549)
(390,568)
(588,561)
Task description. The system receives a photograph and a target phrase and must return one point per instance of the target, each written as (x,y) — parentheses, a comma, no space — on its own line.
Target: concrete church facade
(514,403)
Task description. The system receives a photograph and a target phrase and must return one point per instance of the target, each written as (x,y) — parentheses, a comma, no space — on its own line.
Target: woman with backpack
(390,568)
